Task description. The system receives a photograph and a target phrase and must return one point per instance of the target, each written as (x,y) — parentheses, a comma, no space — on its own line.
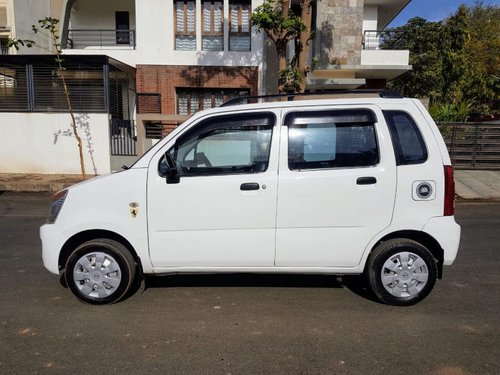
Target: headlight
(56,205)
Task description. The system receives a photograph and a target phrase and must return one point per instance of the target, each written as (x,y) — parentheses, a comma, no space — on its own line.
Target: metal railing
(79,39)
(4,47)
(148,103)
(387,39)
(123,137)
(473,145)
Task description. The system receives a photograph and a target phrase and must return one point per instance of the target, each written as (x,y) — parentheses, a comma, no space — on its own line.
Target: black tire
(401,272)
(100,271)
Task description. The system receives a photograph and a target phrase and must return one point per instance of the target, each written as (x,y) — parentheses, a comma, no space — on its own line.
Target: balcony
(100,39)
(384,52)
(387,39)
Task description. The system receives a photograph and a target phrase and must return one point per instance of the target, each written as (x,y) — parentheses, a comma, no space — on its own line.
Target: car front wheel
(100,271)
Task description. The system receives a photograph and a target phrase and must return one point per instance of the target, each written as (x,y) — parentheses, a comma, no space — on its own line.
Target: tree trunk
(282,56)
(305,36)
(73,123)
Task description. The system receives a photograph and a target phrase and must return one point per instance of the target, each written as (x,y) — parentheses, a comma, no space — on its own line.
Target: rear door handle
(249,186)
(366,181)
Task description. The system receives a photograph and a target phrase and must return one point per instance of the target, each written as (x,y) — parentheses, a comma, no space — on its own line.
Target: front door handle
(250,186)
(366,181)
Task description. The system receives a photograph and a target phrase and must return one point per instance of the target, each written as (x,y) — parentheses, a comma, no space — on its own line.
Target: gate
(473,145)
(123,137)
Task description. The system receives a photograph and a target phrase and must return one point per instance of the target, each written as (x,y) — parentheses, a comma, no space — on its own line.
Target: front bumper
(447,232)
(52,242)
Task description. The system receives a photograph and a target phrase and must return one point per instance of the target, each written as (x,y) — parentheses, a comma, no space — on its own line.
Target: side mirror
(172,175)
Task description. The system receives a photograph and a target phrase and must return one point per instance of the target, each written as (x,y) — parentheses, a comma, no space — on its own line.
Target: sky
(433,10)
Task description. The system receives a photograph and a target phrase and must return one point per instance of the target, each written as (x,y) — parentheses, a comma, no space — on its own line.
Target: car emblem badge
(134,209)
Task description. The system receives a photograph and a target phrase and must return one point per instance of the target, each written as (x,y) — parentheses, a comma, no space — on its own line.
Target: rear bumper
(447,232)
(52,242)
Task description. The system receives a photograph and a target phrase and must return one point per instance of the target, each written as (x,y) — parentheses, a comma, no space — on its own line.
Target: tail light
(449,191)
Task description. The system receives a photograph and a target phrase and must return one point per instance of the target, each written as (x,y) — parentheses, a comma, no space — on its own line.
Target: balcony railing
(384,39)
(4,49)
(80,39)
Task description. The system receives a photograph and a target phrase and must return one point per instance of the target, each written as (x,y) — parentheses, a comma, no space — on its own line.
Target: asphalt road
(248,324)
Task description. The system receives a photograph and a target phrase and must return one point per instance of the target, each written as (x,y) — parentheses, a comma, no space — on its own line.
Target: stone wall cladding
(340,24)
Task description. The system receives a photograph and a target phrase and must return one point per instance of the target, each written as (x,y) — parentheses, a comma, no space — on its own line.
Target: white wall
(41,143)
(99,14)
(385,57)
(370,17)
(26,14)
(154,25)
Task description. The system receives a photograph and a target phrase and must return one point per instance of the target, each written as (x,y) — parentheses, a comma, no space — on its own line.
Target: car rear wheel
(100,271)
(401,272)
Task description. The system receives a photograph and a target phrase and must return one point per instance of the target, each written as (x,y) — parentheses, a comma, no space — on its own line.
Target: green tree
(455,61)
(424,40)
(282,26)
(48,27)
(483,51)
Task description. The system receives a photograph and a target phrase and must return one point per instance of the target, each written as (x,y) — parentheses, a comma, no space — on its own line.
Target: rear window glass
(331,141)
(409,146)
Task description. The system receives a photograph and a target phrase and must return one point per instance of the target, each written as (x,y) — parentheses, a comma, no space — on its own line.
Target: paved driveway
(248,324)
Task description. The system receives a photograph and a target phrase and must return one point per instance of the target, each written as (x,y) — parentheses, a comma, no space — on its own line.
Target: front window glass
(228,145)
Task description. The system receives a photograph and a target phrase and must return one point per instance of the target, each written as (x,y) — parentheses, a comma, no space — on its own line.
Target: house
(176,57)
(347,44)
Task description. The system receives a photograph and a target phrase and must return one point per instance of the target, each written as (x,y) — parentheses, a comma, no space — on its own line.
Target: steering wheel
(201,158)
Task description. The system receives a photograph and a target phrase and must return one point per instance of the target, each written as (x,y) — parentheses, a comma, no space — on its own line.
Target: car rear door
(337,185)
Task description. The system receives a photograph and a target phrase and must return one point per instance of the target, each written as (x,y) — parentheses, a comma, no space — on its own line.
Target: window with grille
(239,25)
(213,26)
(190,101)
(185,25)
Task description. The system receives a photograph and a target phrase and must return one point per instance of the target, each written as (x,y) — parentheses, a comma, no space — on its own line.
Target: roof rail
(255,99)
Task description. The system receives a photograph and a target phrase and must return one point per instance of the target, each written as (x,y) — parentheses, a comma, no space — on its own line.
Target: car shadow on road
(354,283)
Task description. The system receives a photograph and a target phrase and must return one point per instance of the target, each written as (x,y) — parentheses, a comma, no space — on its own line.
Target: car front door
(337,186)
(220,209)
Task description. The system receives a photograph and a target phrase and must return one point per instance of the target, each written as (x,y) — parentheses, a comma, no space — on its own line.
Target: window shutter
(206,16)
(191,17)
(181,28)
(245,18)
(207,100)
(234,18)
(195,102)
(219,98)
(182,108)
(218,17)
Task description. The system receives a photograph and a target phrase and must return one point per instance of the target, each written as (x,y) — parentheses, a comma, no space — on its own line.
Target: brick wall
(164,80)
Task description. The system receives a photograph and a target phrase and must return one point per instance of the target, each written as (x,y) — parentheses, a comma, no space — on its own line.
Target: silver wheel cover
(404,274)
(97,275)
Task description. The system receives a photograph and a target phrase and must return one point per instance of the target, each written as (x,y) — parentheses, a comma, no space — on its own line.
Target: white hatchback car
(358,185)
